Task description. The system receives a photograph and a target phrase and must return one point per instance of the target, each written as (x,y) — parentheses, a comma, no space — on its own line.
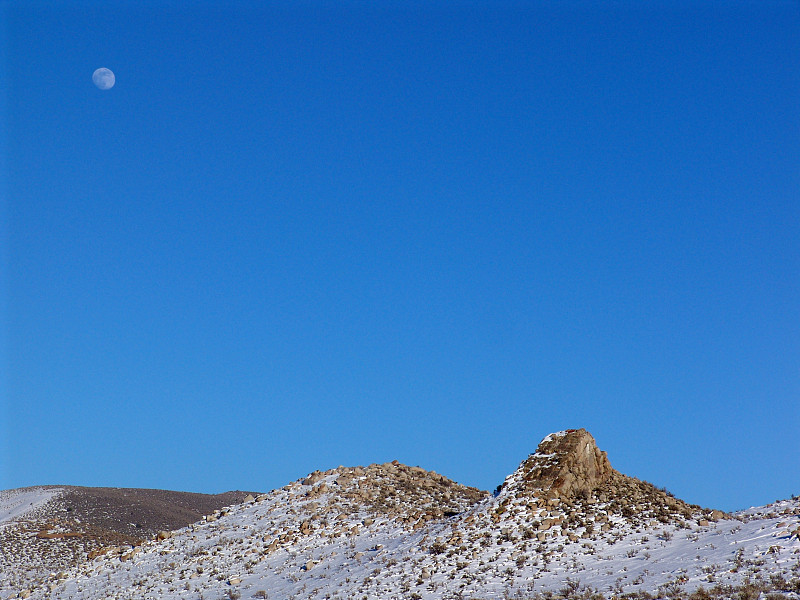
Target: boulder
(312,478)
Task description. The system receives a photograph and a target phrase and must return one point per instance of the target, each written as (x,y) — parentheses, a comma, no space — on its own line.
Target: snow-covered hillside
(51,529)
(562,521)
(16,504)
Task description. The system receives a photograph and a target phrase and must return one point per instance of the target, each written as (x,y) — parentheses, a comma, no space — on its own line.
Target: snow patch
(15,504)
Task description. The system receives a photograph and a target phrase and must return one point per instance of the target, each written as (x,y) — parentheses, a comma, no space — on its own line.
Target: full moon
(104,78)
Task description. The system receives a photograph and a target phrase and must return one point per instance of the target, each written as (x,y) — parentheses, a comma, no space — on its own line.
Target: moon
(104,78)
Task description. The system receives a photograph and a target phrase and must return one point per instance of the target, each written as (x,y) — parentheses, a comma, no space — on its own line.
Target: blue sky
(296,235)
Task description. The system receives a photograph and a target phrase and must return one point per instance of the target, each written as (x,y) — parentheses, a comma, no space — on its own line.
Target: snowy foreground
(375,533)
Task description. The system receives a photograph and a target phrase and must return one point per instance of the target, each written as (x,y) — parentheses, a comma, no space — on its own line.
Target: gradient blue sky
(296,235)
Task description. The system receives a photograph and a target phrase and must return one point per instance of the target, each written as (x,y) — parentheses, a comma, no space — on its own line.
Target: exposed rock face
(566,464)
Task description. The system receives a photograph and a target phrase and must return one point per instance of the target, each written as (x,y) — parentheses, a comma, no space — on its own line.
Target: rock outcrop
(568,474)
(565,465)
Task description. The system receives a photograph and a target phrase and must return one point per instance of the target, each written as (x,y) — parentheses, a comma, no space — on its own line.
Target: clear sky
(297,235)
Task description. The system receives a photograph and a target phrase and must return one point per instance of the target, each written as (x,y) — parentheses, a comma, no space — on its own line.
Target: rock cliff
(566,464)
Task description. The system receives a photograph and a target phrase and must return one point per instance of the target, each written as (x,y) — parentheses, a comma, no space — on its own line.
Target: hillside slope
(50,529)
(562,521)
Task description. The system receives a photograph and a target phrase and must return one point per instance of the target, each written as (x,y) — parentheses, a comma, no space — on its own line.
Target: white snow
(15,504)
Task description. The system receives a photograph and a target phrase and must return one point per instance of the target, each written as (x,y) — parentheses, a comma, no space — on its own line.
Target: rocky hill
(572,481)
(565,524)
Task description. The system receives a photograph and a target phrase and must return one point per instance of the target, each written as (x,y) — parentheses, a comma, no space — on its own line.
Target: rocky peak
(568,471)
(566,464)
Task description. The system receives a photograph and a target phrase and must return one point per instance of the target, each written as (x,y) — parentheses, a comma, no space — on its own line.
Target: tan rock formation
(566,464)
